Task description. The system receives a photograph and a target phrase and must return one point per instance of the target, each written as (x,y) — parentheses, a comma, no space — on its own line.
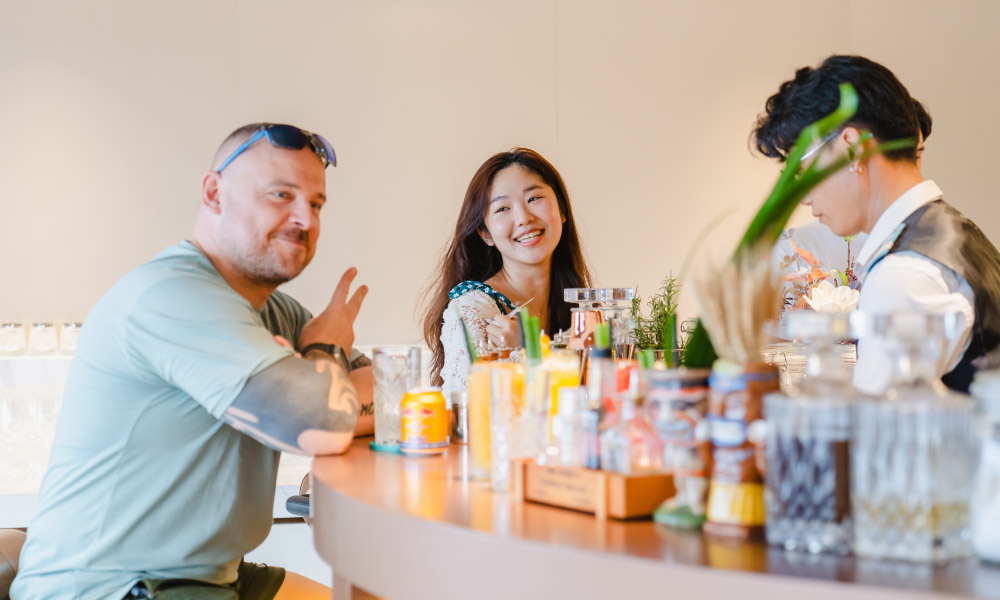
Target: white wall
(111,110)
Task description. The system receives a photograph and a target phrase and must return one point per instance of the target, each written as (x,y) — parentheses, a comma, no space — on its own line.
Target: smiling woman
(515,241)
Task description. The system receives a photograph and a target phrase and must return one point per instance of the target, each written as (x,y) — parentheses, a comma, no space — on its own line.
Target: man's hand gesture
(335,325)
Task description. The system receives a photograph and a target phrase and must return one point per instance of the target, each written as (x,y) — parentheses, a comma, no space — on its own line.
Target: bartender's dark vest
(941,233)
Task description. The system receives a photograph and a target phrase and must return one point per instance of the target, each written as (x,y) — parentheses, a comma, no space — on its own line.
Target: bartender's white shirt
(908,282)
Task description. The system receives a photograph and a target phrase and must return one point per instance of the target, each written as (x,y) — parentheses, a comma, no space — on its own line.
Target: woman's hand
(503,332)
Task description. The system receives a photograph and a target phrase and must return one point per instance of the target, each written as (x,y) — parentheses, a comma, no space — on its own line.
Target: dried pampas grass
(735,299)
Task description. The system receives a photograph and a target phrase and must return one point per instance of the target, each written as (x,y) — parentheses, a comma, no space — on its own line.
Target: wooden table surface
(414,528)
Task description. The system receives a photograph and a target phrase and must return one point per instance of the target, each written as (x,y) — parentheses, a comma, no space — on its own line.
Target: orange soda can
(424,422)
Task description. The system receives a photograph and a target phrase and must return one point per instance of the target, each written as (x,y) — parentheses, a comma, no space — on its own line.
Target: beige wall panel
(657,100)
(107,110)
(948,56)
(110,112)
(414,96)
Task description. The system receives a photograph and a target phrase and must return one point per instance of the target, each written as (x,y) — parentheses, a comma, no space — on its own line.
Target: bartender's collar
(897,212)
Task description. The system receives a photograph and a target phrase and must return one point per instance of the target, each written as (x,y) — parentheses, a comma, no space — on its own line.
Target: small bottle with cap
(602,372)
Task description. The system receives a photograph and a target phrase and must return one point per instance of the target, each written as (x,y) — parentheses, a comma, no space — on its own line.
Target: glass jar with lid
(808,431)
(913,451)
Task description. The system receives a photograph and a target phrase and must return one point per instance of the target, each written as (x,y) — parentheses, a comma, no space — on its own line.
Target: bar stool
(299,505)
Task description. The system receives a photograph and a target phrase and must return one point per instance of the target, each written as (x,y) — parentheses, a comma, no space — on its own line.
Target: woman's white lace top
(477,308)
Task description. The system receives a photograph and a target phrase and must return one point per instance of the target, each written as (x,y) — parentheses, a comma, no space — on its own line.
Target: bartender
(921,255)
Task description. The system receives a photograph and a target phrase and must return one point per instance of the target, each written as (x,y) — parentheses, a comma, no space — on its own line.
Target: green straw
(670,340)
(473,357)
(533,339)
(602,336)
(647,358)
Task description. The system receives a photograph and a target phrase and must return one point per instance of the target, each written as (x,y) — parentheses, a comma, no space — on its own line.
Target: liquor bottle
(632,446)
(808,443)
(602,390)
(913,451)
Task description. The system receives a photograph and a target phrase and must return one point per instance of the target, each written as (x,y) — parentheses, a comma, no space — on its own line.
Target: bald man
(191,375)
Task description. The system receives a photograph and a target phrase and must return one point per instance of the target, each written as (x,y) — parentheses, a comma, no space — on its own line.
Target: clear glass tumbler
(808,472)
(12,339)
(479,420)
(395,369)
(69,337)
(912,473)
(42,339)
(502,422)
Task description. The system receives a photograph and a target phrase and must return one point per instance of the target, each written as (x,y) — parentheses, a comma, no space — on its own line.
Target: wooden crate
(598,492)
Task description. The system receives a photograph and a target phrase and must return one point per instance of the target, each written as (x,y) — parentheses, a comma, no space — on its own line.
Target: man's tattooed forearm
(342,394)
(367,410)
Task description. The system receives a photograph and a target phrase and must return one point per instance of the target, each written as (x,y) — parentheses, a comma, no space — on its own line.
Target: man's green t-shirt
(144,479)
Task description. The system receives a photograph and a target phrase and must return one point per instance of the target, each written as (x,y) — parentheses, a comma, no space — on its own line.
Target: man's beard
(265,265)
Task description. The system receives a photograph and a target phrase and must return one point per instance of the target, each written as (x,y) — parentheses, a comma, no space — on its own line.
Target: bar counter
(417,528)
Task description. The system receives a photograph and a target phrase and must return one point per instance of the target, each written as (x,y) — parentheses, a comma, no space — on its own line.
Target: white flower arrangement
(827,298)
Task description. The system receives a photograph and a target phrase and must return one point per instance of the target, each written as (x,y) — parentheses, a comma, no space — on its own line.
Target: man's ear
(851,136)
(210,191)
(483,233)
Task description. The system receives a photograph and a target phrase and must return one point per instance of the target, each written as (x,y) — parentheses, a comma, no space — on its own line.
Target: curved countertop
(417,528)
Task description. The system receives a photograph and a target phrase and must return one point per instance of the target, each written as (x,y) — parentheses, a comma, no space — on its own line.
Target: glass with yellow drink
(479,420)
(564,371)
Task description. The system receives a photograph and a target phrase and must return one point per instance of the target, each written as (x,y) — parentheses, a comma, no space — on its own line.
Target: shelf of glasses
(598,295)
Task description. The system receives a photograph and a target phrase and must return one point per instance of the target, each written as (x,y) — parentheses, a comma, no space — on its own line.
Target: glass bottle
(808,431)
(632,446)
(677,404)
(568,447)
(602,386)
(913,452)
(986,492)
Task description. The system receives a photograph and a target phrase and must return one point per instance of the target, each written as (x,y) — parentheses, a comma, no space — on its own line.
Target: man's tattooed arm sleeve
(298,405)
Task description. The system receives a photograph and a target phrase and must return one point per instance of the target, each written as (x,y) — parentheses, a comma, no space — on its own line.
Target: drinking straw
(473,357)
(521,316)
(647,358)
(602,336)
(532,337)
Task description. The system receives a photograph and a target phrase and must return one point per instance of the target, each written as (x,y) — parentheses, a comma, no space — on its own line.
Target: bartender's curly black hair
(885,107)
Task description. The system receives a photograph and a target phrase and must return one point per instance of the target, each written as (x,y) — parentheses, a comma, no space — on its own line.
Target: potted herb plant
(658,331)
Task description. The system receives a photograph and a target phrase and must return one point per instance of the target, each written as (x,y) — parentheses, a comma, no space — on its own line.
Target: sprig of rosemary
(655,331)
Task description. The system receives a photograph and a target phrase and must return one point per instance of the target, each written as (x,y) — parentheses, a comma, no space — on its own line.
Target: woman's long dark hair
(469,258)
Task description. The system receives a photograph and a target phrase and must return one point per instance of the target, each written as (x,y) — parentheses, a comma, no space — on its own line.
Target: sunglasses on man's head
(287,136)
